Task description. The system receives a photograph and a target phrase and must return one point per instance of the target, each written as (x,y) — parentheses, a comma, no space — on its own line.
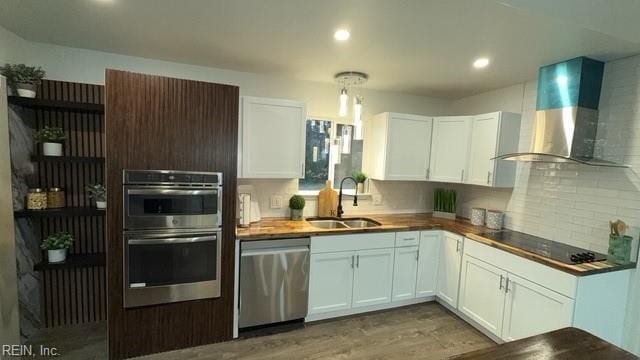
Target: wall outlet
(376,199)
(275,202)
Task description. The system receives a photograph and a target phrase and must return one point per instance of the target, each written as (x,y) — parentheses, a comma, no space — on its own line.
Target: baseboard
(390,305)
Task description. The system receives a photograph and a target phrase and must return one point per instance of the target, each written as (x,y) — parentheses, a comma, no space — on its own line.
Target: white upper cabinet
(450,148)
(493,134)
(398,146)
(273,138)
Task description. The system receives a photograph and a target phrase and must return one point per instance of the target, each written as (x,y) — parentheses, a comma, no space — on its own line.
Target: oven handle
(171,192)
(179,240)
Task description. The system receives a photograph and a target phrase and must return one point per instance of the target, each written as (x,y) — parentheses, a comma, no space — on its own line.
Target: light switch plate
(275,202)
(376,199)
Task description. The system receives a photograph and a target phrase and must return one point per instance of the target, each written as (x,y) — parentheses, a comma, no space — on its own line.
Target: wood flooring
(425,331)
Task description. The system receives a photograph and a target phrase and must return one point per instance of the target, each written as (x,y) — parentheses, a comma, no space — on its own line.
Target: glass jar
(55,198)
(36,199)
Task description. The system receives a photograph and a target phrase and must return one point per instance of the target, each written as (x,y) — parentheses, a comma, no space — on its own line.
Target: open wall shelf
(67,159)
(56,105)
(66,211)
(73,261)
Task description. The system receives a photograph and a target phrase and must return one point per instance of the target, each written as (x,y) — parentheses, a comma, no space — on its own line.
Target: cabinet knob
(462,175)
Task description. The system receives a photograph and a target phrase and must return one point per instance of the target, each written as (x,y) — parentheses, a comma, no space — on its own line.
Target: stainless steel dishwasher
(274,281)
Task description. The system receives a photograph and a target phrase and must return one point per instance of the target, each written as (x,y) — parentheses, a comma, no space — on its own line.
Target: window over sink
(331,153)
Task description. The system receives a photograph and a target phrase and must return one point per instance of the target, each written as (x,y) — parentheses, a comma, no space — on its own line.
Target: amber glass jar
(55,198)
(36,199)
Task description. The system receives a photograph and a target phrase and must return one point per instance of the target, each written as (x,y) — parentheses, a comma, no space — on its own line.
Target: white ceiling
(423,47)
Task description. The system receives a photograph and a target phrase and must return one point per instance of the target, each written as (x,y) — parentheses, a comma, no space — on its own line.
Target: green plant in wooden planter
(444,203)
(296,204)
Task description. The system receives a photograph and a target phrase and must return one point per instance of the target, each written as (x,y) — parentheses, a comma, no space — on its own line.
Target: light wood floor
(426,331)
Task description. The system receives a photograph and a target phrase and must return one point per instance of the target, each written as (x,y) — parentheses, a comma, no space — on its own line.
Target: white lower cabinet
(405,272)
(449,268)
(507,305)
(372,276)
(331,281)
(531,309)
(428,262)
(482,294)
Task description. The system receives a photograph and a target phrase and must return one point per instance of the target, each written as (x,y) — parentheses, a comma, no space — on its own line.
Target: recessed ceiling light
(480,63)
(341,35)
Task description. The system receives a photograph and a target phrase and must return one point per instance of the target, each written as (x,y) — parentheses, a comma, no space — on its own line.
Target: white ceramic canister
(495,219)
(477,216)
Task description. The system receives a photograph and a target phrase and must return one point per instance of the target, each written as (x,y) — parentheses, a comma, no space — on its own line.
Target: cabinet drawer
(407,238)
(352,242)
(540,274)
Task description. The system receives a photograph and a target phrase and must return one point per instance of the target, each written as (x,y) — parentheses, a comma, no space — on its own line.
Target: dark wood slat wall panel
(163,123)
(72,296)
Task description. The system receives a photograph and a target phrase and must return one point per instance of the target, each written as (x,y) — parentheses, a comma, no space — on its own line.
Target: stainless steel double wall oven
(172,231)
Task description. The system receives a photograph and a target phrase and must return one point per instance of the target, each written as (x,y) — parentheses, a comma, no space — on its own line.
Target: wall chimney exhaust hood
(566,121)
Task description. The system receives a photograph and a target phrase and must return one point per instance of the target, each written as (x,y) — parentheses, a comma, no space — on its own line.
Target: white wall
(573,203)
(12,47)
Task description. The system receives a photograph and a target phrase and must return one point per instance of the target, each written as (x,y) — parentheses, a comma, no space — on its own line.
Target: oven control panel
(164,177)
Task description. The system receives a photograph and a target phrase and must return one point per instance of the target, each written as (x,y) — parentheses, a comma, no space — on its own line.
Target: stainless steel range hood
(566,121)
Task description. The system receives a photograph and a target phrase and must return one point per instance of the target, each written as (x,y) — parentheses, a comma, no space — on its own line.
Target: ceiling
(423,47)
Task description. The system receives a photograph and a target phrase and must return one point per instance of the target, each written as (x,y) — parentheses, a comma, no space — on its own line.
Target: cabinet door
(273,138)
(449,268)
(482,293)
(408,147)
(404,273)
(428,260)
(331,281)
(484,139)
(532,309)
(450,148)
(372,277)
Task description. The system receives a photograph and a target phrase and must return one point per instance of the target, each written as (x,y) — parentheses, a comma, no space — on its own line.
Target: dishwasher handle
(274,251)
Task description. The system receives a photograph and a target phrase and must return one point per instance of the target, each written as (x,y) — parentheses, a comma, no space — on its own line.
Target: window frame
(331,170)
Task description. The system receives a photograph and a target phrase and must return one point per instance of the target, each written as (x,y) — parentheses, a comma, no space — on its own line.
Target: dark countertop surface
(276,228)
(567,343)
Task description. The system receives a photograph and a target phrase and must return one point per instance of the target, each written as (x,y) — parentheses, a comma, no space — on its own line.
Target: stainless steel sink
(339,223)
(361,223)
(327,224)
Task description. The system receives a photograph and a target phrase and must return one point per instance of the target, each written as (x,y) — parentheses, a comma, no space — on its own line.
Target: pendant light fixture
(352,81)
(357,118)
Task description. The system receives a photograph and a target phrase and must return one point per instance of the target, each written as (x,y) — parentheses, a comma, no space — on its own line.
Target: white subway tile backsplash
(573,203)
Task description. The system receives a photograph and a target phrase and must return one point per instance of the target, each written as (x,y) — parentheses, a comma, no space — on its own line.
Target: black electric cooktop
(550,249)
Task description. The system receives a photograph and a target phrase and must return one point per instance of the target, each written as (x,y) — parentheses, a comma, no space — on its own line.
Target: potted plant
(51,139)
(98,193)
(360,179)
(23,79)
(56,245)
(296,204)
(444,203)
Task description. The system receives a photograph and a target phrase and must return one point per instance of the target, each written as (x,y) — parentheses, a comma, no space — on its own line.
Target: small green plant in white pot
(296,204)
(98,193)
(23,79)
(360,179)
(51,139)
(56,246)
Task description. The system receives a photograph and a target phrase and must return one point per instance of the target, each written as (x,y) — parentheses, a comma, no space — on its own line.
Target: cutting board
(327,200)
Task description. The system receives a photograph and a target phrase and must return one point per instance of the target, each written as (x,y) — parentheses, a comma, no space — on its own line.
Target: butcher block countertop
(276,228)
(567,343)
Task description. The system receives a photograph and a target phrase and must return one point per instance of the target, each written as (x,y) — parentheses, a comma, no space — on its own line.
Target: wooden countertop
(275,228)
(567,343)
